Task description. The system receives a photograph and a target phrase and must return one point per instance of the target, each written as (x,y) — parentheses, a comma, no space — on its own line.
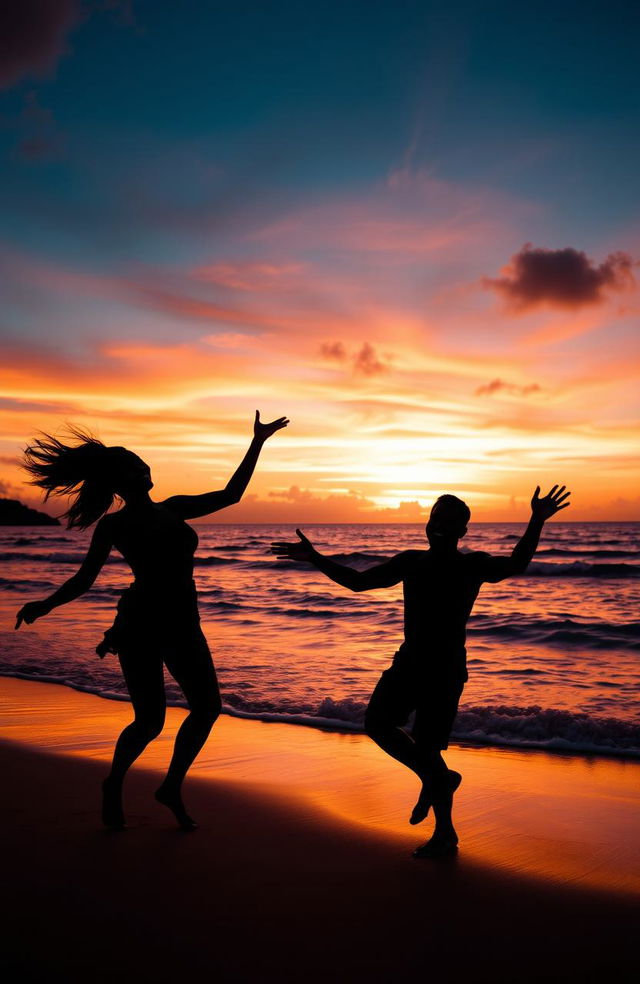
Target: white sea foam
(503,725)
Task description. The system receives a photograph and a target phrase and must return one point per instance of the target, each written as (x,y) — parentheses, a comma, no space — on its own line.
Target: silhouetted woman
(157,620)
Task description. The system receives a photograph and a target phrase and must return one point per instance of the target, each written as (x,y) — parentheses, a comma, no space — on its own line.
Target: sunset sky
(412,227)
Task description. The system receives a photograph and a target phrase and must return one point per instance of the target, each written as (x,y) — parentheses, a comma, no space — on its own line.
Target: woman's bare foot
(171,798)
(112,812)
(440,846)
(425,801)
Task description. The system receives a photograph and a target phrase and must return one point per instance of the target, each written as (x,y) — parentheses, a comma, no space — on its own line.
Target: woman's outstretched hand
(294,551)
(263,431)
(550,504)
(31,611)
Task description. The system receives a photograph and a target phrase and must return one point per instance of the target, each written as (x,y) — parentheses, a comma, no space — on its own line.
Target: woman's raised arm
(194,506)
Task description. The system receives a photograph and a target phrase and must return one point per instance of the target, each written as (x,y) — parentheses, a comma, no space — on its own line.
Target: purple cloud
(33,36)
(561,277)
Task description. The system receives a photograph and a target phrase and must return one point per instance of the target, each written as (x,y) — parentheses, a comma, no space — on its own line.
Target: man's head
(447,521)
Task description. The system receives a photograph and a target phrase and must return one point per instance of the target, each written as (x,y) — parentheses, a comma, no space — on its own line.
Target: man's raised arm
(495,569)
(381,576)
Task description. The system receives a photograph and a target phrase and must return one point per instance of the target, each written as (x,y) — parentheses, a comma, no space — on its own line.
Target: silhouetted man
(429,671)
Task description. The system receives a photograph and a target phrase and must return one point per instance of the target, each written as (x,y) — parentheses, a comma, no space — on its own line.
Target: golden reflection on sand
(567,819)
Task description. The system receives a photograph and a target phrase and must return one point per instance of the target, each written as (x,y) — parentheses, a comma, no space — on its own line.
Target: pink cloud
(295,494)
(364,361)
(410,215)
(497,385)
(367,362)
(333,350)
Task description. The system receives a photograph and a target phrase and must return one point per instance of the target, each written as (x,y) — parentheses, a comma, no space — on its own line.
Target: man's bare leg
(429,766)
(444,840)
(394,741)
(439,793)
(425,800)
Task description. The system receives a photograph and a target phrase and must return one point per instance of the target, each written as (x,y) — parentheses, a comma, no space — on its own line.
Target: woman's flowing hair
(83,471)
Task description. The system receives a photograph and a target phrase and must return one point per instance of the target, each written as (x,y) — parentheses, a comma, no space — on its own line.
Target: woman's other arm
(81,581)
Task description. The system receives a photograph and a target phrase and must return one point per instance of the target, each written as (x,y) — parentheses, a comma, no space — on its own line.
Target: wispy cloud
(498,386)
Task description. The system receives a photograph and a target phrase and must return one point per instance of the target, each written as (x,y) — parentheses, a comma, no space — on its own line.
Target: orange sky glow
(380,326)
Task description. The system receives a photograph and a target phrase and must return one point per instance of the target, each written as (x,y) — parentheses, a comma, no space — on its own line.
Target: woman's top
(160,607)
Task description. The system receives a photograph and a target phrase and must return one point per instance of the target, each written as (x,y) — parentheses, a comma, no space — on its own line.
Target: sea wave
(579,568)
(585,552)
(597,541)
(210,561)
(231,547)
(594,635)
(76,557)
(25,587)
(360,560)
(55,557)
(547,728)
(502,725)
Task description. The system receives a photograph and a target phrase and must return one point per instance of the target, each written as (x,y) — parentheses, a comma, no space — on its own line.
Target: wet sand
(301,866)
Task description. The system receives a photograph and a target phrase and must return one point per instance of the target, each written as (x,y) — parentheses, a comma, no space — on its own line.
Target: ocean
(553,655)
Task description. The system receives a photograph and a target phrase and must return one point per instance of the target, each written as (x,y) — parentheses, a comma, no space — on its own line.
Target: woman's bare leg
(143,675)
(194,672)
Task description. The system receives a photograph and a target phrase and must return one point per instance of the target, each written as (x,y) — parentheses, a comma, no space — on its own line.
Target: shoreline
(555,746)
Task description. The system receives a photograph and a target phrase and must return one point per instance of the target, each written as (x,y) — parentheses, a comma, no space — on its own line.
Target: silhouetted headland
(14,513)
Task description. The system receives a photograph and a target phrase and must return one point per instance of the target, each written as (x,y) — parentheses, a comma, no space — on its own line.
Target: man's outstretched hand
(294,551)
(547,506)
(263,431)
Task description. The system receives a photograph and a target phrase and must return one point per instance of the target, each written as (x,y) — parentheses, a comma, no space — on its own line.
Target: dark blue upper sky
(284,98)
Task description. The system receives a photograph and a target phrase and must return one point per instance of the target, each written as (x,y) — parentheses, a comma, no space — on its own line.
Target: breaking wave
(502,725)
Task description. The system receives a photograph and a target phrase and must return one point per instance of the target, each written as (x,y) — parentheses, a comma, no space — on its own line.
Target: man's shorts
(413,684)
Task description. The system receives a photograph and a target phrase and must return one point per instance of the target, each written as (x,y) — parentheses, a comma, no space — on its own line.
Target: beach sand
(301,868)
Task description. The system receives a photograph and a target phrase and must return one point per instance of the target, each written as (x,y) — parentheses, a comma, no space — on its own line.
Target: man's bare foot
(425,801)
(172,799)
(440,846)
(112,812)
